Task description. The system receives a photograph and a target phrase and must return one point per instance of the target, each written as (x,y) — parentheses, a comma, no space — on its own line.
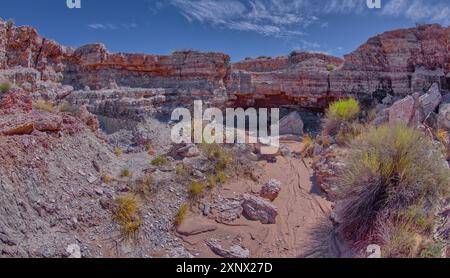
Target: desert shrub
(432,250)
(344,110)
(348,132)
(221,177)
(181,170)
(399,241)
(324,141)
(181,215)
(221,157)
(330,67)
(196,189)
(149,148)
(308,146)
(330,126)
(44,105)
(418,218)
(212,181)
(389,170)
(159,161)
(106,178)
(4,88)
(125,173)
(144,185)
(128,214)
(118,151)
(442,136)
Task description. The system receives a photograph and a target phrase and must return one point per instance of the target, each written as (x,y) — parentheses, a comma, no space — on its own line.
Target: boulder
(431,100)
(74,251)
(259,209)
(406,111)
(235,251)
(195,226)
(48,123)
(444,116)
(189,151)
(291,124)
(270,190)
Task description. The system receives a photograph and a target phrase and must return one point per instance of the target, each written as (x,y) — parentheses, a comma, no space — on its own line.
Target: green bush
(4,87)
(344,110)
(196,189)
(389,170)
(330,67)
(159,161)
(125,173)
(44,105)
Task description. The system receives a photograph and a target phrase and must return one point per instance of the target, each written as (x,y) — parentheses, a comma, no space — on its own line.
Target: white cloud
(287,18)
(424,11)
(110,26)
(278,18)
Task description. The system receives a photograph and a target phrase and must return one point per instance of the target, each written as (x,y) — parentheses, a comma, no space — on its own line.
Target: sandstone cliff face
(127,86)
(402,62)
(301,79)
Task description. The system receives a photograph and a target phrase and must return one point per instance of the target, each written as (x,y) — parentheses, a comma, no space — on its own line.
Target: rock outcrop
(302,79)
(126,86)
(259,209)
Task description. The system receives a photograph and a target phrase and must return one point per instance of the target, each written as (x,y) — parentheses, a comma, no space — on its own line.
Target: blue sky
(240,28)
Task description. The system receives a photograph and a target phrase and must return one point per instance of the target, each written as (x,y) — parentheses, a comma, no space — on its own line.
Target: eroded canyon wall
(128,85)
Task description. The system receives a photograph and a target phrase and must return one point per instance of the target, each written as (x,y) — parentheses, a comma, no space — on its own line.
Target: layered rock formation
(401,62)
(127,86)
(302,79)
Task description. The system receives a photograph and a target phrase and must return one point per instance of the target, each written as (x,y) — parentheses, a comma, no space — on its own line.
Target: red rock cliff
(398,62)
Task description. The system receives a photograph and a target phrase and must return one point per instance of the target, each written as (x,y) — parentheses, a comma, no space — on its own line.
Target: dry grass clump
(221,157)
(344,110)
(348,132)
(181,215)
(4,88)
(125,173)
(308,146)
(340,115)
(219,178)
(212,181)
(44,105)
(390,170)
(128,214)
(118,151)
(442,136)
(181,171)
(196,189)
(159,161)
(106,178)
(399,241)
(330,67)
(144,185)
(432,250)
(149,148)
